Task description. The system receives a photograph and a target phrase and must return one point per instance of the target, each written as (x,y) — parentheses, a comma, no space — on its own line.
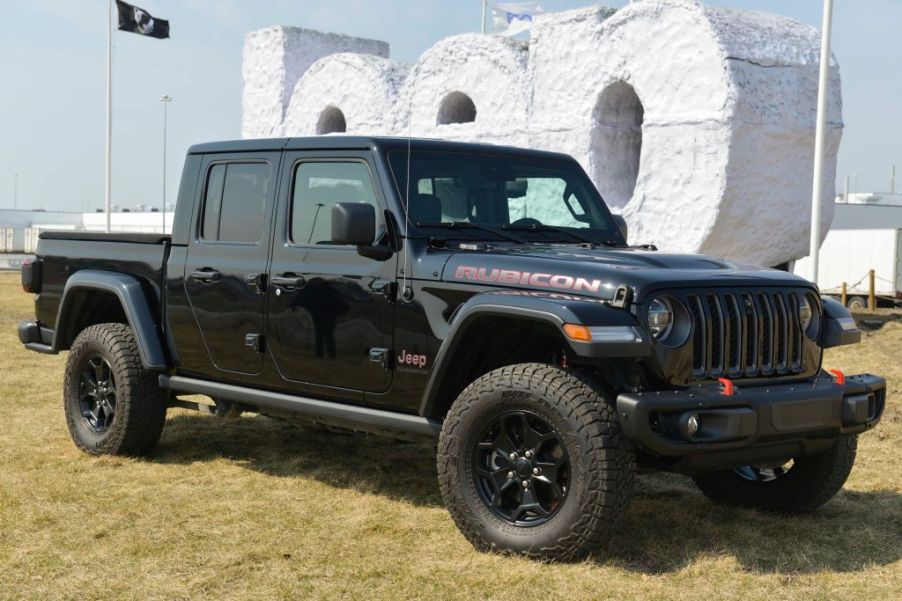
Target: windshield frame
(396,157)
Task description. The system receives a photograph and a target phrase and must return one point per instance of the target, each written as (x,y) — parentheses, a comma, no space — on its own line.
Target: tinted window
(319,186)
(213,202)
(235,202)
(502,191)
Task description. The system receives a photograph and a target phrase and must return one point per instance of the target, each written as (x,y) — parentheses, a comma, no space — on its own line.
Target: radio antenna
(406,291)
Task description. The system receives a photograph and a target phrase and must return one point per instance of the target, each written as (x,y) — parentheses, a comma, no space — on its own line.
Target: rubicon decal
(406,358)
(525,278)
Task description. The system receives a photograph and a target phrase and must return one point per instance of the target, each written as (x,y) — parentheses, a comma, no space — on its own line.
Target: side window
(213,202)
(317,187)
(235,202)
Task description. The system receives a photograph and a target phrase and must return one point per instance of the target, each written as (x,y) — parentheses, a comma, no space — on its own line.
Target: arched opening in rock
(617,143)
(456,107)
(331,121)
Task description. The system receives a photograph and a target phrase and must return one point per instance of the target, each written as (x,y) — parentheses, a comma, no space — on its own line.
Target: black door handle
(289,281)
(205,275)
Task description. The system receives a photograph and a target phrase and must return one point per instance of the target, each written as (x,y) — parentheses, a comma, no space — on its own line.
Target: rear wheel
(532,460)
(113,406)
(797,485)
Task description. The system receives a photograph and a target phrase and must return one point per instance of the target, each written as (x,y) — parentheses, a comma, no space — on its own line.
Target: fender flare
(548,308)
(134,303)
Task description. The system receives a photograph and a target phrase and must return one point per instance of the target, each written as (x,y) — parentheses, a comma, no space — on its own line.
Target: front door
(227,255)
(329,309)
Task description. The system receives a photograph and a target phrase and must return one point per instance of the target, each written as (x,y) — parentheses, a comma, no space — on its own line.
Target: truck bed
(64,253)
(131,238)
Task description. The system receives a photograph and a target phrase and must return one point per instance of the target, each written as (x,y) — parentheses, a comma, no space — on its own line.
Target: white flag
(513,19)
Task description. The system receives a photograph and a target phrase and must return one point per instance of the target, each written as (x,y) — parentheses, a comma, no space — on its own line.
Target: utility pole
(820,140)
(165,99)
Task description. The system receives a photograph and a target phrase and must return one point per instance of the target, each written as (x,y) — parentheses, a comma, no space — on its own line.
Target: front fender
(134,303)
(542,307)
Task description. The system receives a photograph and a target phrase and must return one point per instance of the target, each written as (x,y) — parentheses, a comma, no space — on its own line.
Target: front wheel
(798,485)
(113,406)
(531,460)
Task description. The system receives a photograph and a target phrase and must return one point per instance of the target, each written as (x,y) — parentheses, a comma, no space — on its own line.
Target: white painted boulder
(697,123)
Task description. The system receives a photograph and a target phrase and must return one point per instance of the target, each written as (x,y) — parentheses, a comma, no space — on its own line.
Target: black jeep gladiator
(480,297)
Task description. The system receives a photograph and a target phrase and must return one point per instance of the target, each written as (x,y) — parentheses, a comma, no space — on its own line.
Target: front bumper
(786,415)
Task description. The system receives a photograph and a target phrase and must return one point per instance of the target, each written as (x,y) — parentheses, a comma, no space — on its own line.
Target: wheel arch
(524,325)
(95,296)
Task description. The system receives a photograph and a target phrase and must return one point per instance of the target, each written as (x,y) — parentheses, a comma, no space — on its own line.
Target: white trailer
(849,255)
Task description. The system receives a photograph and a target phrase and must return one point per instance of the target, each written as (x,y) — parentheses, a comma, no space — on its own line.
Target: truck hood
(599,271)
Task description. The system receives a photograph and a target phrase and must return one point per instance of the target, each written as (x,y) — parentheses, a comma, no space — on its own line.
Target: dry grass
(256,509)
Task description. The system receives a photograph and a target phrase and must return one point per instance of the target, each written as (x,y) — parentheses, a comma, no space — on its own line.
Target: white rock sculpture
(273,61)
(697,123)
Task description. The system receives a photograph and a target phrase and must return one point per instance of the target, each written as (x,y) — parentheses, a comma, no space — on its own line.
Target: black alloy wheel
(797,485)
(113,405)
(97,394)
(764,473)
(531,460)
(521,468)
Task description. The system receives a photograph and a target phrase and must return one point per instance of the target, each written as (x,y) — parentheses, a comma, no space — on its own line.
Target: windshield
(526,196)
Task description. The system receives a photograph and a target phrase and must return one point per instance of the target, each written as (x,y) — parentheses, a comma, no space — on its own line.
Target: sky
(52,83)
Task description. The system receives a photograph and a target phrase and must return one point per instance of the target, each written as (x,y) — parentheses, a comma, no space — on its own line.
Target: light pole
(848,189)
(165,99)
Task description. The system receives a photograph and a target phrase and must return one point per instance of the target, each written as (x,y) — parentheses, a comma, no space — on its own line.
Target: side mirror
(353,223)
(621,225)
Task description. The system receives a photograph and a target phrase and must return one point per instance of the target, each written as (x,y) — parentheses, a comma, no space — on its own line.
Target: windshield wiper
(551,228)
(453,225)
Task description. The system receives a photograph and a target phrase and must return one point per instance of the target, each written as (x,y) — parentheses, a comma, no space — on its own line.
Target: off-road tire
(602,466)
(140,403)
(810,482)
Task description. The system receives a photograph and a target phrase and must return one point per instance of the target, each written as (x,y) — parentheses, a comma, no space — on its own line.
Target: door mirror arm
(371,251)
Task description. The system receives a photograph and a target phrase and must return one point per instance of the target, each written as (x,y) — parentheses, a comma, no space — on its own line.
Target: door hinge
(255,342)
(257,281)
(386,289)
(381,356)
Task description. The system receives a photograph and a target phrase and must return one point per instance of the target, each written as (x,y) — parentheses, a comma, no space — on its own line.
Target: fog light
(692,425)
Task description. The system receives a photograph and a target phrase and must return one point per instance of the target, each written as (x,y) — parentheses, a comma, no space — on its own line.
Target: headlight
(660,317)
(805,313)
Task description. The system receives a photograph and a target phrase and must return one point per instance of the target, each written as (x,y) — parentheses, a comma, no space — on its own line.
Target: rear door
(227,257)
(329,309)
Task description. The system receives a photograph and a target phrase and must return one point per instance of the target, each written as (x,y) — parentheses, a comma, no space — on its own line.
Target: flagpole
(165,99)
(814,243)
(109,113)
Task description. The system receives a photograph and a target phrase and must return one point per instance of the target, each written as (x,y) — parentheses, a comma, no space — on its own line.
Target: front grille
(745,334)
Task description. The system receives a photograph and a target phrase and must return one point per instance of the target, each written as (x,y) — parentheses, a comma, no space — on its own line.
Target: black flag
(138,20)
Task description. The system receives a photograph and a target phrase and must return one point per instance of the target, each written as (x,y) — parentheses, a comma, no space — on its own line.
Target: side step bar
(355,417)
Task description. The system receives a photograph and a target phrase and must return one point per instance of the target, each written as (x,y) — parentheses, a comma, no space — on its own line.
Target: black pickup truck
(479,297)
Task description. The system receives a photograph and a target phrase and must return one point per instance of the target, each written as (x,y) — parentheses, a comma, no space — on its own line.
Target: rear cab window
(235,199)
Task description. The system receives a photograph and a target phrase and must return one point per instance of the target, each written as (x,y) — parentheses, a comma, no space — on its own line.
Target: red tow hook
(727,386)
(839,376)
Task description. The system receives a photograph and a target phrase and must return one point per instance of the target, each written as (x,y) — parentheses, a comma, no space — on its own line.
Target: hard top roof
(359,143)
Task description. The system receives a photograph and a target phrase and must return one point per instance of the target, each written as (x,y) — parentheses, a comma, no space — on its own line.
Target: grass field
(256,509)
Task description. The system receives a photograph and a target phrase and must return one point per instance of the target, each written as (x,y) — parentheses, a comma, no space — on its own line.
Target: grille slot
(745,334)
